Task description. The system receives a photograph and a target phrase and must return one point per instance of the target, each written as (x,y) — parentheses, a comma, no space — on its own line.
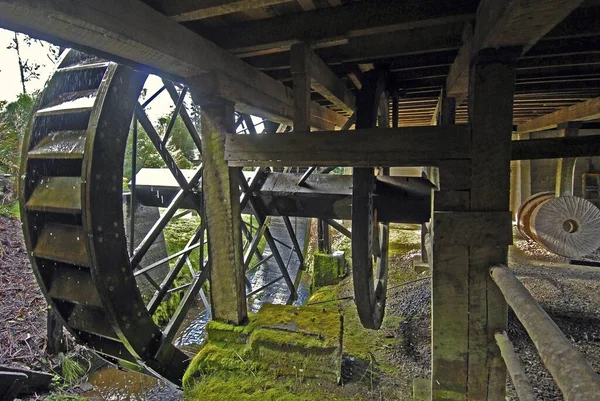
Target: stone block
(328,269)
(298,341)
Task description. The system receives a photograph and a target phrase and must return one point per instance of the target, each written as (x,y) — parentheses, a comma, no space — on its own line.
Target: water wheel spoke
(162,222)
(185,116)
(178,106)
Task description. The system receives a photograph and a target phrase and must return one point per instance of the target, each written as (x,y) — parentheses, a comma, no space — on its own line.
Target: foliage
(14,119)
(180,145)
(71,370)
(177,233)
(10,209)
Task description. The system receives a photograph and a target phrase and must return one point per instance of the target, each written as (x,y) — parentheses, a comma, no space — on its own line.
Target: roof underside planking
(419,41)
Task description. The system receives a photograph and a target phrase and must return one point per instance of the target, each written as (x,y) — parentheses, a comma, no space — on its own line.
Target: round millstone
(568,226)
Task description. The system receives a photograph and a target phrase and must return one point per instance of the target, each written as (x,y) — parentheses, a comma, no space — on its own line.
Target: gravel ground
(570,295)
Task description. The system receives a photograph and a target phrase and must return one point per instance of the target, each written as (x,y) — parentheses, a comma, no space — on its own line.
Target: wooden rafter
(191,10)
(358,148)
(323,80)
(585,111)
(348,21)
(148,39)
(505,23)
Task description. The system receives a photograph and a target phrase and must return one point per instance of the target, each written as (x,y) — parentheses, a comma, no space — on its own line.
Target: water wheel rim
(369,266)
(118,327)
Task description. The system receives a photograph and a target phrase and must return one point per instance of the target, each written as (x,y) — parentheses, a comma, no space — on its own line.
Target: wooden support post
(491,92)
(324,236)
(449,290)
(565,167)
(301,74)
(467,308)
(302,63)
(221,203)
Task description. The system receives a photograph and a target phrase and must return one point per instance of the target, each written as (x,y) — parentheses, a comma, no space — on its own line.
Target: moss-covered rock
(285,340)
(328,269)
(220,332)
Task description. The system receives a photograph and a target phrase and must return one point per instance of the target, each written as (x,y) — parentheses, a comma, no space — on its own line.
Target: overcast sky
(10,81)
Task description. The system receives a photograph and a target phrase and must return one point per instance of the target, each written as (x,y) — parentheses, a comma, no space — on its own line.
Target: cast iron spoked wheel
(72,213)
(369,238)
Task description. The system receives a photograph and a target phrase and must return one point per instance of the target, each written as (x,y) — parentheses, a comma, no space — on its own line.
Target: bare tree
(27,69)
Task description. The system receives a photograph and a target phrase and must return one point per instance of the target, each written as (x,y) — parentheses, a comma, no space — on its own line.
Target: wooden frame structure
(488,65)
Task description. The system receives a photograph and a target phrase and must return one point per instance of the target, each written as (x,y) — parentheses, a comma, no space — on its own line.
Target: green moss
(328,293)
(215,357)
(10,210)
(225,333)
(281,338)
(259,387)
(327,270)
(402,241)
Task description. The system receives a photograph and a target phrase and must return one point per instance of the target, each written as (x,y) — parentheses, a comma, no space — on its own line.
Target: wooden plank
(474,228)
(307,5)
(130,31)
(414,146)
(257,103)
(301,72)
(451,200)
(191,10)
(455,175)
(491,92)
(449,300)
(369,49)
(351,20)
(506,23)
(323,80)
(421,389)
(221,204)
(449,319)
(584,111)
(35,382)
(555,148)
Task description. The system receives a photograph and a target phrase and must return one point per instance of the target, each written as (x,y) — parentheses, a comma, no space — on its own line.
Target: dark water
(113,384)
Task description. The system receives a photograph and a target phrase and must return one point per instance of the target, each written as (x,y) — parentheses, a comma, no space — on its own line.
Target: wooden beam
(220,190)
(491,95)
(415,146)
(506,23)
(369,49)
(556,148)
(585,111)
(307,5)
(132,32)
(302,83)
(348,21)
(191,10)
(305,61)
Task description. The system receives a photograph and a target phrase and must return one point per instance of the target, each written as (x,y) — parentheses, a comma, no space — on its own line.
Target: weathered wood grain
(132,32)
(414,146)
(503,24)
(584,111)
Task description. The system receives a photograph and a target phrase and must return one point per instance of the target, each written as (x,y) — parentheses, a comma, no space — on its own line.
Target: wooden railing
(573,374)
